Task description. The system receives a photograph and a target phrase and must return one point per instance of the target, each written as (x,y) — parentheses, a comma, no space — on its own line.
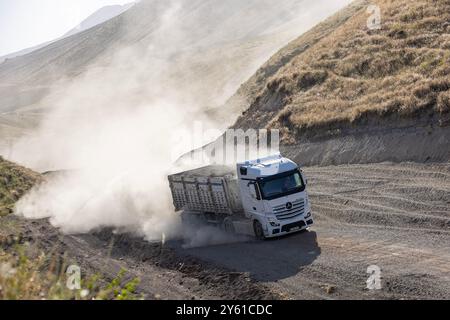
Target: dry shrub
(421,41)
(445,44)
(413,14)
(443,102)
(398,33)
(321,113)
(15,181)
(442,71)
(430,24)
(377,40)
(387,64)
(309,79)
(353,65)
(274,84)
(432,88)
(284,118)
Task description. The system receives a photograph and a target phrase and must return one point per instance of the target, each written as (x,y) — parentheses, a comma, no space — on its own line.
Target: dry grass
(44,278)
(15,181)
(355,72)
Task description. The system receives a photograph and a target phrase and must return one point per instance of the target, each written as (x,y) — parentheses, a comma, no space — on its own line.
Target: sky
(27,23)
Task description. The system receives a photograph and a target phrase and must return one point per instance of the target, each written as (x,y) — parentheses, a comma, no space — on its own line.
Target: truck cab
(274,196)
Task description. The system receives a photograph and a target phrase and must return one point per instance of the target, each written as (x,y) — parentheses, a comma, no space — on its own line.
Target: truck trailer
(265,198)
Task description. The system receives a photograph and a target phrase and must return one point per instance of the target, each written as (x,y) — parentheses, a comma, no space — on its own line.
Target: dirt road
(394,216)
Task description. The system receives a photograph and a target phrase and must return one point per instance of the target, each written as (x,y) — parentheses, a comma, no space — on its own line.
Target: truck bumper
(289,227)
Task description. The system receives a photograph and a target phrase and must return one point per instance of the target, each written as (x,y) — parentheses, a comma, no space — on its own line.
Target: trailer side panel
(206,190)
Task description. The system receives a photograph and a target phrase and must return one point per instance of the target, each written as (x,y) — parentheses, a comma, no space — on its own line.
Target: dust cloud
(109,133)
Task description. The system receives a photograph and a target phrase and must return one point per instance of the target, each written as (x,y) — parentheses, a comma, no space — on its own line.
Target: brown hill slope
(355,89)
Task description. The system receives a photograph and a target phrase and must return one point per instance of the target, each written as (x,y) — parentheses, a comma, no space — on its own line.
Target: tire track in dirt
(374,194)
(395,216)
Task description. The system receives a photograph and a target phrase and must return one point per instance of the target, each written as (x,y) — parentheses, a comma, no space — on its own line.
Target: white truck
(264,198)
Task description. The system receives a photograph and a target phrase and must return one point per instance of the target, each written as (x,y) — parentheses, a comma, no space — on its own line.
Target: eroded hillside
(341,82)
(403,68)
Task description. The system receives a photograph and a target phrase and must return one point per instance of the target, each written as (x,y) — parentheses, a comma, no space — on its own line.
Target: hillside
(203,49)
(343,93)
(15,181)
(101,15)
(98,17)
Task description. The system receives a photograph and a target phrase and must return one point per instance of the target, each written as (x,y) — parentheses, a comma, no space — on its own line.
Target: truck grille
(283,213)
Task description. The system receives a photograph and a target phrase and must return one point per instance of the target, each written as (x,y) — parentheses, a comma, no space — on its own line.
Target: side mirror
(304,177)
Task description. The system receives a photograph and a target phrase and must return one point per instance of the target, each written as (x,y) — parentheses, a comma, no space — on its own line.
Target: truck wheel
(228,226)
(259,232)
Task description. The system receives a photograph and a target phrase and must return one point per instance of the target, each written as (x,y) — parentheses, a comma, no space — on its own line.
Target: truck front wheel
(259,231)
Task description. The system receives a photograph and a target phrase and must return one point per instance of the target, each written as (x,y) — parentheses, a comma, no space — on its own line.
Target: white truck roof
(265,167)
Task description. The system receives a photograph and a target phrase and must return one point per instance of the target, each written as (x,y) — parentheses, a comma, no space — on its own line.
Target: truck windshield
(281,185)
